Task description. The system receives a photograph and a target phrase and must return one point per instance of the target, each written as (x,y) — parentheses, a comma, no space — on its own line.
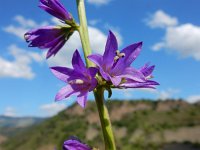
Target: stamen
(121,55)
(117,52)
(77,81)
(118,55)
(116,58)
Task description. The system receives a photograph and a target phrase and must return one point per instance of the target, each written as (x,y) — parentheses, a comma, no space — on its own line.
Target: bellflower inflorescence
(75,144)
(115,66)
(80,79)
(52,37)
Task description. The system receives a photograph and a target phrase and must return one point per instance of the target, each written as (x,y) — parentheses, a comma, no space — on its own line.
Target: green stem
(105,120)
(83,31)
(98,92)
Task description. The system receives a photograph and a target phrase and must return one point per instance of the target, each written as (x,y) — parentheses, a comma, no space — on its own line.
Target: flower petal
(93,84)
(110,49)
(64,93)
(93,71)
(55,8)
(134,84)
(77,62)
(116,80)
(96,58)
(147,70)
(131,52)
(133,74)
(54,50)
(82,99)
(62,73)
(39,37)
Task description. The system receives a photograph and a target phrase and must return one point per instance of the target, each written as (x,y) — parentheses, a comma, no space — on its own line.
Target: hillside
(138,125)
(11,125)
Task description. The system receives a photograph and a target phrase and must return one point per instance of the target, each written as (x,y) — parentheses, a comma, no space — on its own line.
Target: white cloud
(183,39)
(99,2)
(10,112)
(161,19)
(19,67)
(25,22)
(23,25)
(193,99)
(166,94)
(158,46)
(52,109)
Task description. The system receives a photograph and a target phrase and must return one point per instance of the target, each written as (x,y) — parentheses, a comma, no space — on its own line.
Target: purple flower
(52,37)
(75,144)
(115,66)
(55,8)
(49,37)
(80,79)
(146,70)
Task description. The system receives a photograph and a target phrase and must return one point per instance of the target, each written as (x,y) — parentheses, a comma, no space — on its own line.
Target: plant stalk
(99,91)
(104,119)
(83,31)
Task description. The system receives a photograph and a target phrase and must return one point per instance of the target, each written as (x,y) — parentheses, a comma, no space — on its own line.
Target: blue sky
(170,31)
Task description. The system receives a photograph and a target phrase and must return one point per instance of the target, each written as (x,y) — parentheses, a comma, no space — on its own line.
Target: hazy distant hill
(11,125)
(138,125)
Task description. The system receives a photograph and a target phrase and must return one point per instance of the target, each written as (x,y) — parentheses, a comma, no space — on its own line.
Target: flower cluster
(112,69)
(52,37)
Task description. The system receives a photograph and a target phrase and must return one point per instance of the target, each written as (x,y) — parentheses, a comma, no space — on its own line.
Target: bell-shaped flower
(80,79)
(56,9)
(75,144)
(50,37)
(115,66)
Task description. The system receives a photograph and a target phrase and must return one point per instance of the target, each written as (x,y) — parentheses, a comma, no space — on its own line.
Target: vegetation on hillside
(138,125)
